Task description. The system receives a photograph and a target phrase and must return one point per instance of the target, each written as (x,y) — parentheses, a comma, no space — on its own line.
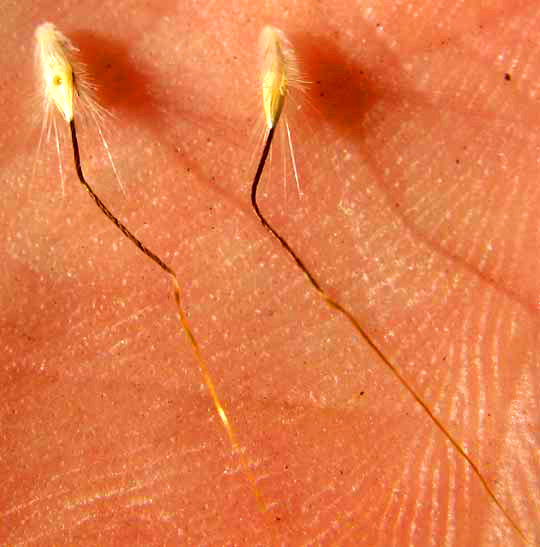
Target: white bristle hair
(65,87)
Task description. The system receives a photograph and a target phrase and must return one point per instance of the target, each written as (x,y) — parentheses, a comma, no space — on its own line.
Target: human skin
(419,168)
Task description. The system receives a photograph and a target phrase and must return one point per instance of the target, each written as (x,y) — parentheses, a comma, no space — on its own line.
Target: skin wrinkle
(172,103)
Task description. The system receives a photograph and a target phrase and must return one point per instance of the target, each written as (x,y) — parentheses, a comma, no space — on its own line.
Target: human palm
(418,165)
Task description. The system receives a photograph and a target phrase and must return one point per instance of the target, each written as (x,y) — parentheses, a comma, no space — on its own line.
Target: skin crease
(419,166)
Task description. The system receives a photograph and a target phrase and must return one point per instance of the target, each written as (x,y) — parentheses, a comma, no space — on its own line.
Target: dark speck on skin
(507,77)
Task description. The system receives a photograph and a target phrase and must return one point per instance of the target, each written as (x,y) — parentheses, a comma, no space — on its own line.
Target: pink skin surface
(419,165)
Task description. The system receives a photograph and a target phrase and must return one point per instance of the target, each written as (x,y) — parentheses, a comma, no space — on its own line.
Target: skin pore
(418,163)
